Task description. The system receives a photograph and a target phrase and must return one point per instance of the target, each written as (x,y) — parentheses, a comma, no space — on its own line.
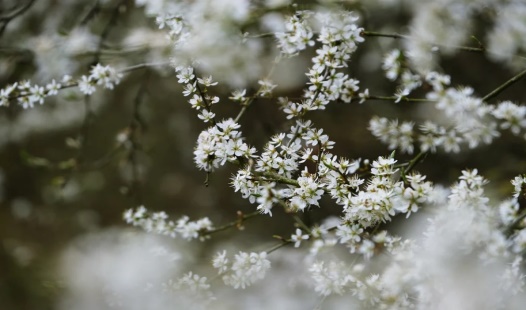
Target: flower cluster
(194,285)
(306,194)
(397,136)
(298,34)
(28,95)
(469,120)
(339,36)
(245,270)
(330,278)
(511,115)
(158,222)
(199,99)
(207,31)
(417,272)
(105,76)
(506,38)
(219,144)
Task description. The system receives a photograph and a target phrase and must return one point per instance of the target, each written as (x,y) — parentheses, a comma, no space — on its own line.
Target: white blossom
(246,269)
(298,237)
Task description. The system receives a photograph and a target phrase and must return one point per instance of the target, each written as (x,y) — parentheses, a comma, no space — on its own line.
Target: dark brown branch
(241,218)
(6,19)
(106,31)
(92,12)
(136,127)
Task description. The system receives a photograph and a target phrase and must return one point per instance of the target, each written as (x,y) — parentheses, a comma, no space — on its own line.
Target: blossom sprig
(28,95)
(159,223)
(511,115)
(395,66)
(209,36)
(197,89)
(339,36)
(308,193)
(511,211)
(339,176)
(262,188)
(333,175)
(219,144)
(298,34)
(471,120)
(466,213)
(280,156)
(382,198)
(519,185)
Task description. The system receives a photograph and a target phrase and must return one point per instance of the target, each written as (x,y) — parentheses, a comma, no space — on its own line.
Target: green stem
(413,162)
(405,37)
(393,98)
(502,87)
(384,35)
(242,218)
(278,178)
(278,246)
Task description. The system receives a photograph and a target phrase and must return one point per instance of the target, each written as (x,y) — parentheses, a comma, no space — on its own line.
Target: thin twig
(278,178)
(136,126)
(82,139)
(144,65)
(6,19)
(202,94)
(237,223)
(92,12)
(384,35)
(406,37)
(250,100)
(106,31)
(125,70)
(393,98)
(413,162)
(279,246)
(502,87)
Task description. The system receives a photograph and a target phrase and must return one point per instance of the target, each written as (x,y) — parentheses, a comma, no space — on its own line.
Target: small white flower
(298,237)
(364,95)
(239,95)
(220,262)
(206,81)
(53,88)
(266,87)
(86,85)
(206,115)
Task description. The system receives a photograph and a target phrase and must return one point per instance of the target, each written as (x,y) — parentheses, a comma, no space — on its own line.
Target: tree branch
(6,19)
(506,84)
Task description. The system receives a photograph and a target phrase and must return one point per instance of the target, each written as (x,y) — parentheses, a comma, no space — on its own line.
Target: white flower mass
(460,246)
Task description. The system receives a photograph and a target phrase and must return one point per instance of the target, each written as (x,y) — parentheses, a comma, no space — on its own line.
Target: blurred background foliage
(74,164)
